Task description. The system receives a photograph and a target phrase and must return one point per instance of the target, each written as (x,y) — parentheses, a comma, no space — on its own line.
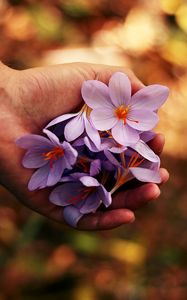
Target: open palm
(29,99)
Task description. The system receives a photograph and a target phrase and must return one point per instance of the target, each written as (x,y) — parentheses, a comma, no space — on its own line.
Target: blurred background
(147,260)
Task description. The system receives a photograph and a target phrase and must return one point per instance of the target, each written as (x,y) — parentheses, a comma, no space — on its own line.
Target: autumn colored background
(147,260)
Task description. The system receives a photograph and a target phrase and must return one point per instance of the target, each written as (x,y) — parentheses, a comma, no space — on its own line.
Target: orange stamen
(83,195)
(133,163)
(122,112)
(53,155)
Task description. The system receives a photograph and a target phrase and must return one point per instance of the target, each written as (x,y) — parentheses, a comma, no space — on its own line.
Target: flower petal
(104,196)
(54,139)
(95,167)
(103,119)
(29,141)
(89,181)
(39,178)
(61,119)
(96,94)
(147,136)
(74,128)
(142,119)
(70,153)
(92,133)
(91,146)
(120,89)
(151,97)
(56,172)
(90,204)
(66,194)
(146,175)
(124,134)
(111,158)
(33,159)
(72,215)
(143,149)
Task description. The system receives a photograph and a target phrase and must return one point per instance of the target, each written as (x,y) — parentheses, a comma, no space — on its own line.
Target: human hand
(29,99)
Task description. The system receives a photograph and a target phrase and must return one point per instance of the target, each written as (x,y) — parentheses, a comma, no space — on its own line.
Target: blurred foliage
(40,259)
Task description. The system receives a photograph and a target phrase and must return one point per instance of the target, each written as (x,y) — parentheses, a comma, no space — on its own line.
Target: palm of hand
(33,98)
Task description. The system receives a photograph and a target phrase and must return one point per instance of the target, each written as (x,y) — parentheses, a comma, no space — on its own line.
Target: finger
(138,197)
(157,143)
(106,220)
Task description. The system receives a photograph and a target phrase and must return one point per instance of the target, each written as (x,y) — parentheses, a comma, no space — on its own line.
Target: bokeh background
(147,260)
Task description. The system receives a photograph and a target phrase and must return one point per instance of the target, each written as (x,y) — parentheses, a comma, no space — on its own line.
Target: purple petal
(73,177)
(96,94)
(72,215)
(105,196)
(66,194)
(146,175)
(91,146)
(143,149)
(61,119)
(90,204)
(103,119)
(151,97)
(89,181)
(142,119)
(33,141)
(79,142)
(124,134)
(120,89)
(95,167)
(55,172)
(70,153)
(39,178)
(74,128)
(54,139)
(92,133)
(147,136)
(33,159)
(111,158)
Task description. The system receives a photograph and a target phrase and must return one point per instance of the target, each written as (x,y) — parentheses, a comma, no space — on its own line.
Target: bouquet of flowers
(86,156)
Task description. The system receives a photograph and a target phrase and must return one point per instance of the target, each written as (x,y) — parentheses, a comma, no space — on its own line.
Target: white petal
(124,134)
(96,94)
(143,149)
(54,139)
(146,175)
(142,120)
(74,128)
(92,133)
(120,89)
(61,119)
(103,119)
(150,97)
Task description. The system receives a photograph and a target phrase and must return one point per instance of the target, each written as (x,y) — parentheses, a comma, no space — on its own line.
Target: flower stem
(120,181)
(122,156)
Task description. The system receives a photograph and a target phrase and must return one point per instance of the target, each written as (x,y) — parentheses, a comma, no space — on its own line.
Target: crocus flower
(50,156)
(82,195)
(114,108)
(138,162)
(78,124)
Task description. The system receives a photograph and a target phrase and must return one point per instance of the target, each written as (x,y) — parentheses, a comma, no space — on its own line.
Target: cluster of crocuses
(86,156)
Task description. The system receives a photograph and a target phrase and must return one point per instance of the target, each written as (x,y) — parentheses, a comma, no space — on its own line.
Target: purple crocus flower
(114,108)
(50,156)
(144,164)
(79,123)
(140,163)
(82,195)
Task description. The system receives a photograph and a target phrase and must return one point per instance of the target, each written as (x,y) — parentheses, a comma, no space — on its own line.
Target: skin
(29,99)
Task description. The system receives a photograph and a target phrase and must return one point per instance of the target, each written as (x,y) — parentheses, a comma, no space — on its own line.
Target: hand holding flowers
(90,154)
